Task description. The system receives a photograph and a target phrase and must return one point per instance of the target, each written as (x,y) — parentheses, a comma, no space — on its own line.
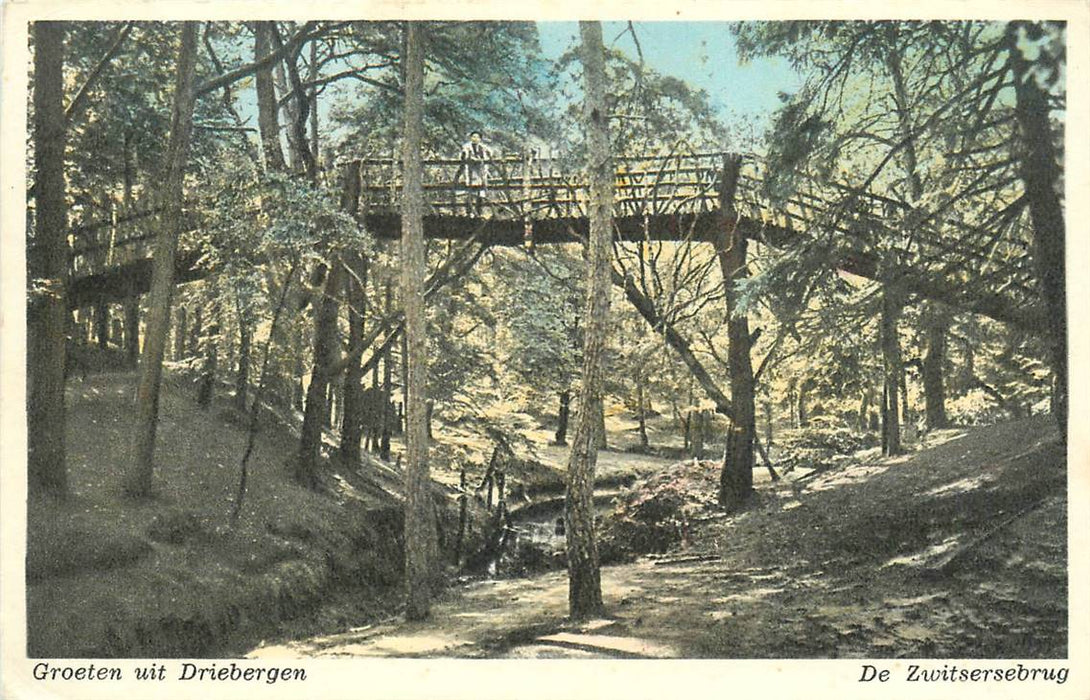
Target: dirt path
(958,551)
(610,462)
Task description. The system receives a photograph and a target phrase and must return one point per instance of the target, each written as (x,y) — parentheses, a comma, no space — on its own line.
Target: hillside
(169,577)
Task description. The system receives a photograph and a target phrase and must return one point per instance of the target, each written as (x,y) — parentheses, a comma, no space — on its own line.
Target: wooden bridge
(684,198)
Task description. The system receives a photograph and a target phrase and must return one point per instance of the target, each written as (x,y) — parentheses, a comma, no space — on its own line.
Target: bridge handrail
(519,158)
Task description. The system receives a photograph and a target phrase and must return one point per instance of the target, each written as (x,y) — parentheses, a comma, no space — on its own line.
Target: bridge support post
(132,328)
(527,202)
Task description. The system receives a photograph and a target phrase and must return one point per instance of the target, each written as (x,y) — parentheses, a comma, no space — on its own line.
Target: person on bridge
(473,173)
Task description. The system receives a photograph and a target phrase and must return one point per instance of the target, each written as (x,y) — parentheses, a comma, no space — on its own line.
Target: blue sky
(700,53)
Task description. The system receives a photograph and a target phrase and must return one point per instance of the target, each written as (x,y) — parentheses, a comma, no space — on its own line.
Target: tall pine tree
(48,265)
(138,480)
(584,576)
(420,536)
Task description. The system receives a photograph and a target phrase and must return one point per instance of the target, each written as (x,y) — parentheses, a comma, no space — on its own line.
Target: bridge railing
(942,244)
(123,236)
(528,187)
(522,188)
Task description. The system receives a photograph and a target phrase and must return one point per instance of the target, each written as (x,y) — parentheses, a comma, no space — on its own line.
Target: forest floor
(956,551)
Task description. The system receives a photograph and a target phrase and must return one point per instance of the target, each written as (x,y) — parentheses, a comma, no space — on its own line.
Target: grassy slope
(108,577)
(959,550)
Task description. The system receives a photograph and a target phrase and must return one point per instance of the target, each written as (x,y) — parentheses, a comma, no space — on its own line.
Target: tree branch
(305,33)
(80,99)
(679,343)
(392,326)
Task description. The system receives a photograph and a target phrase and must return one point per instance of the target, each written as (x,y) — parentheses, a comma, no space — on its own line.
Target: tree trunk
(562,418)
(47,261)
(463,513)
(903,109)
(139,476)
(374,425)
(421,546)
(296,377)
(934,389)
(352,425)
(259,395)
(316,407)
(228,343)
(906,411)
(206,389)
(600,439)
(312,96)
(1041,169)
(289,110)
(736,477)
(300,101)
(132,330)
(891,361)
(403,420)
(768,423)
(195,331)
(768,462)
(584,576)
(335,403)
(242,373)
(641,411)
(267,119)
(102,325)
(697,425)
(82,330)
(387,387)
(687,422)
(327,407)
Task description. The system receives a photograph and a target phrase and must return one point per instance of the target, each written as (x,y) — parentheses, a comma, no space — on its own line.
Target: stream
(537,522)
(534,543)
(534,540)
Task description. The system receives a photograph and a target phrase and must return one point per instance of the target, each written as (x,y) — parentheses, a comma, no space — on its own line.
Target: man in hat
(474,169)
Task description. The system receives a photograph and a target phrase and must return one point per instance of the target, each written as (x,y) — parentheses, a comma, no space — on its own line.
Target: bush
(178,527)
(814,447)
(66,549)
(654,514)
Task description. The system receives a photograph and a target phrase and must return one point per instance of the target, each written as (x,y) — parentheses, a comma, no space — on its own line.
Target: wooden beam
(128,279)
